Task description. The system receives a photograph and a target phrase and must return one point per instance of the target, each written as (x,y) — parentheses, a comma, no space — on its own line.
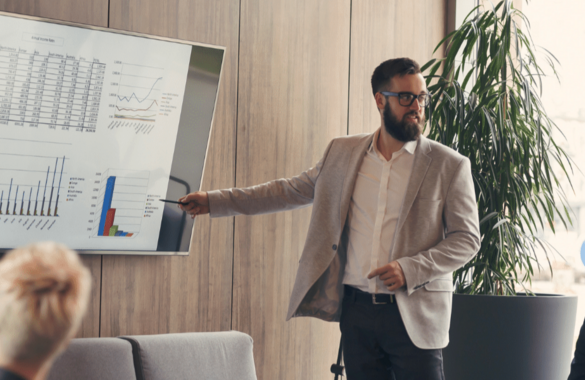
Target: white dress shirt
(374,209)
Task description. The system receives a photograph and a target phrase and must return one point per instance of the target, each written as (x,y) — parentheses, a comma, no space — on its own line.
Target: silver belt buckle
(375,302)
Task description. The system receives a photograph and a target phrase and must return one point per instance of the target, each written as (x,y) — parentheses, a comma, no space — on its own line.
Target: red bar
(109,221)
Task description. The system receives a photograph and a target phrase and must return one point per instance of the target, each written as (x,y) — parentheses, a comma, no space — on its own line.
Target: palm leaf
(499,122)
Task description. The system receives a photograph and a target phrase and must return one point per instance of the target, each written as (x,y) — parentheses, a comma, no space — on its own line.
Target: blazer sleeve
(274,196)
(462,238)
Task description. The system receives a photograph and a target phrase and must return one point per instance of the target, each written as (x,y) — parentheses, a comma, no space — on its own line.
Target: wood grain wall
(297,73)
(382,30)
(292,100)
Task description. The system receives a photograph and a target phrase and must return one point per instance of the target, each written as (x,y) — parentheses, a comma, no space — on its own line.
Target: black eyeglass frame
(398,94)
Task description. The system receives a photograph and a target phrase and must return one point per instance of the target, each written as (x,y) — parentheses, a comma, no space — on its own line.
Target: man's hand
(391,274)
(198,203)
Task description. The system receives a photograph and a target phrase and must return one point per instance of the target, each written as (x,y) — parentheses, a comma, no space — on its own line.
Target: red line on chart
(134,109)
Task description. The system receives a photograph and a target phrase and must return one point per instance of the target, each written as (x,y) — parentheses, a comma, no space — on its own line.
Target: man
(393,215)
(44,291)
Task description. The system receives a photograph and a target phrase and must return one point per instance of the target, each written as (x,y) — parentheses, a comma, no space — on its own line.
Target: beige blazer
(437,231)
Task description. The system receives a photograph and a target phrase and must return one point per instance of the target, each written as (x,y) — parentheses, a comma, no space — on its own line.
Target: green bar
(113,231)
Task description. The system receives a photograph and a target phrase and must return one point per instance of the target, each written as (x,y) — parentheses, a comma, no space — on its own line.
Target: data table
(56,90)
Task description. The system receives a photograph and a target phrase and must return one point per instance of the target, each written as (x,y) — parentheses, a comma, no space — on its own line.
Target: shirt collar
(410,146)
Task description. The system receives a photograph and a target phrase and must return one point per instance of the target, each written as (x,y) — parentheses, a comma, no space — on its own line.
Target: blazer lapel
(419,171)
(355,161)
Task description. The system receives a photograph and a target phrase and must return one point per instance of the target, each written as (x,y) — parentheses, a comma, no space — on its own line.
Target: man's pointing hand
(198,203)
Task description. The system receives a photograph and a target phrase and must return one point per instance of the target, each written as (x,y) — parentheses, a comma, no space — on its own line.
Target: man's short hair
(44,291)
(387,70)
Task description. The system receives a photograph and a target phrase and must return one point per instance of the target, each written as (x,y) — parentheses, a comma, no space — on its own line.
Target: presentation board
(96,126)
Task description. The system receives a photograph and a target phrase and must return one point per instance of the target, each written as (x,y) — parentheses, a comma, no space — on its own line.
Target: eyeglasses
(406,99)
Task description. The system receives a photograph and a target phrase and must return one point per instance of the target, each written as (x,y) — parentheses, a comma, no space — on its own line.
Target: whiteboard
(90,132)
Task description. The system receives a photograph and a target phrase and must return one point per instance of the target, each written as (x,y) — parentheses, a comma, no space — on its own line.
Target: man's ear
(380,101)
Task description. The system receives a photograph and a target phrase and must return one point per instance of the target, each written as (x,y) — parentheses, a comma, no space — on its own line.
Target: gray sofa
(210,356)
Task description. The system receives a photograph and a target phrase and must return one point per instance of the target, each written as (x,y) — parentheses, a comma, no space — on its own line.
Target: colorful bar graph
(106,205)
(108,214)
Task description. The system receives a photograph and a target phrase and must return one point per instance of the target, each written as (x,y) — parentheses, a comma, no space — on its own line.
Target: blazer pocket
(440,285)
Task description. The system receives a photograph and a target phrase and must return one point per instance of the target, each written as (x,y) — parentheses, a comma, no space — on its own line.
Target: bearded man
(394,214)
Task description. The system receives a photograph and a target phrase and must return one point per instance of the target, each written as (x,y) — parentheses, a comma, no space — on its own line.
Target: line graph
(134,94)
(142,109)
(138,92)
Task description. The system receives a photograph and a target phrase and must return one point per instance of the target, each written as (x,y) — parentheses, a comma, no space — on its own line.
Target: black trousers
(376,345)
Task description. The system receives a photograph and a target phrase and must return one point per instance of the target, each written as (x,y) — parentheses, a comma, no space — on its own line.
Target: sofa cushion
(95,359)
(224,355)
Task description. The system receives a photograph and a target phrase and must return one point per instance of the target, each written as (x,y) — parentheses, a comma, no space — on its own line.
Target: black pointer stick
(177,202)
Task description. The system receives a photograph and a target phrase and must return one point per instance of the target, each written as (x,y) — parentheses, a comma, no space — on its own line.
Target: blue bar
(124,233)
(119,233)
(107,203)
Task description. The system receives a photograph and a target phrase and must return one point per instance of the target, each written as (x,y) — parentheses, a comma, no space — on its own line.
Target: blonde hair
(44,291)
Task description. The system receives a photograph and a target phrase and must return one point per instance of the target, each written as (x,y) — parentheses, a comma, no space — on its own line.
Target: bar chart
(122,201)
(34,191)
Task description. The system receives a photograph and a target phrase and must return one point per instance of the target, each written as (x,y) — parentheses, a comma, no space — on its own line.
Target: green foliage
(488,108)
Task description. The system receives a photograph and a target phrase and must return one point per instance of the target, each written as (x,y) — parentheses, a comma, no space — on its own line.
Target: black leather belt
(359,296)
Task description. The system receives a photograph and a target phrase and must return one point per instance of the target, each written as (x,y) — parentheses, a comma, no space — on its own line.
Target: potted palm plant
(486,105)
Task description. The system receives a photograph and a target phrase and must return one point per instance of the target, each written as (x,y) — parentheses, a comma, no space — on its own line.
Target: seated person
(44,291)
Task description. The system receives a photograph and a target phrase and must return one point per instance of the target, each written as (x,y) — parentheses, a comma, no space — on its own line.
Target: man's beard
(404,131)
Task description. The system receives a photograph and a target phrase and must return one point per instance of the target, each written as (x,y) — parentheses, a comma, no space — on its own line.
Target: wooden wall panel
(292,101)
(153,295)
(94,12)
(385,29)
(90,325)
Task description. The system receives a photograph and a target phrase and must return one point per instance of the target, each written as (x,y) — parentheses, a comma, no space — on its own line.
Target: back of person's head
(387,70)
(44,291)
